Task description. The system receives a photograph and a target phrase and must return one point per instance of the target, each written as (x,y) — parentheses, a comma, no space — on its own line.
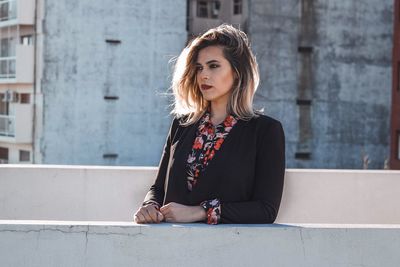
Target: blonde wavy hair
(188,100)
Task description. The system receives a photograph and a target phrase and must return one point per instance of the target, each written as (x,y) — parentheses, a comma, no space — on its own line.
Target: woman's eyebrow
(209,62)
(212,61)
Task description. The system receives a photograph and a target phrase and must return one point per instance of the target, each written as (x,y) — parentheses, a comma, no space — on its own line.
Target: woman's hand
(148,214)
(178,213)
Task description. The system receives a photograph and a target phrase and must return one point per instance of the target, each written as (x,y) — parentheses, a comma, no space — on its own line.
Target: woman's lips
(205,87)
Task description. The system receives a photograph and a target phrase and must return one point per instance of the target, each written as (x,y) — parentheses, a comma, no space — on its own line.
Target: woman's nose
(204,75)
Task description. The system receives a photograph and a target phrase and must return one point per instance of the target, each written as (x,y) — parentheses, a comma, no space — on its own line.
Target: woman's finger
(152,213)
(167,215)
(147,216)
(140,218)
(164,208)
(160,216)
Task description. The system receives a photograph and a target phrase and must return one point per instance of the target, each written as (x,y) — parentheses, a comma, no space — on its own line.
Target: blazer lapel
(182,147)
(210,173)
(178,175)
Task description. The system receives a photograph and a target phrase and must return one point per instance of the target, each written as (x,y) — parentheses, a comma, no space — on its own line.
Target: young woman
(222,161)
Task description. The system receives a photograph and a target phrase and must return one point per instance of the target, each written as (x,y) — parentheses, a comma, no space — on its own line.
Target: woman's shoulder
(185,120)
(179,120)
(265,127)
(265,122)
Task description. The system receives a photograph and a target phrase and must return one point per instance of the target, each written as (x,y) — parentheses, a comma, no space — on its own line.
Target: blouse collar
(229,121)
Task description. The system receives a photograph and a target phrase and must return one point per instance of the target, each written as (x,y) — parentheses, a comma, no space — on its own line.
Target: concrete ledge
(98,193)
(44,243)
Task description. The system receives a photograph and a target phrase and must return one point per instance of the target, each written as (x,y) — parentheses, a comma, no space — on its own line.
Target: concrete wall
(346,77)
(80,68)
(114,244)
(83,193)
(341,199)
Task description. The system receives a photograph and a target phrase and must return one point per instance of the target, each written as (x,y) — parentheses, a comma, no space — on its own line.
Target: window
(7,47)
(202,9)
(7,58)
(215,7)
(27,40)
(237,7)
(8,10)
(4,106)
(4,119)
(208,9)
(3,155)
(25,98)
(24,156)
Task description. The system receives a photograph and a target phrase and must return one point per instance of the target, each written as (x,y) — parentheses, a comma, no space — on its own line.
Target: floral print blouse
(208,141)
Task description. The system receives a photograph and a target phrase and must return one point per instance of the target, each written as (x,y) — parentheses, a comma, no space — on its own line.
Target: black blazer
(246,174)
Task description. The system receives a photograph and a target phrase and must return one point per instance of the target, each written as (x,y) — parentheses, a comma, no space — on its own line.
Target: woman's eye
(198,68)
(213,66)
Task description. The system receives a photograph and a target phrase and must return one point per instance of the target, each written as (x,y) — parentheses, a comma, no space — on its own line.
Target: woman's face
(214,75)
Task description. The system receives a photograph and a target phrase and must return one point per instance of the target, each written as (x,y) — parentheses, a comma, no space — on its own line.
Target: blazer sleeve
(156,193)
(268,184)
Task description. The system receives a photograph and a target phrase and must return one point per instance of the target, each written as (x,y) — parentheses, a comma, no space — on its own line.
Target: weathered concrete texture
(351,77)
(44,244)
(273,30)
(81,68)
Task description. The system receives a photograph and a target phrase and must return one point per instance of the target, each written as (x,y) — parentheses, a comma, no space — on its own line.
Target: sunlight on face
(214,75)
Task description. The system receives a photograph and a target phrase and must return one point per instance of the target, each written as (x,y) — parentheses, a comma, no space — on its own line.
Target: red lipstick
(205,87)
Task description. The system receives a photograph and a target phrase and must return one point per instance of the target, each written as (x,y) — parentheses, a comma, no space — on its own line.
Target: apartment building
(17,33)
(206,14)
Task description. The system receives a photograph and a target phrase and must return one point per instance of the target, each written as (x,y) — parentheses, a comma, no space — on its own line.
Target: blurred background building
(95,94)
(395,118)
(16,80)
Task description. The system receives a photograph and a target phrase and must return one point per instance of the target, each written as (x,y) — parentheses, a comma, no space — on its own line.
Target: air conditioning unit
(10,96)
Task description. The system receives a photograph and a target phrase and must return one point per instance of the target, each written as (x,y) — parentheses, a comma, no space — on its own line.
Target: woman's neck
(218,113)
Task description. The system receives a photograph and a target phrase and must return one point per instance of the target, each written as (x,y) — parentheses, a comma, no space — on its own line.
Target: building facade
(105,73)
(16,80)
(97,93)
(81,83)
(326,74)
(205,14)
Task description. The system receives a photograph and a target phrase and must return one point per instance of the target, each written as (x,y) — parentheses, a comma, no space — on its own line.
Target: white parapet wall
(81,216)
(84,193)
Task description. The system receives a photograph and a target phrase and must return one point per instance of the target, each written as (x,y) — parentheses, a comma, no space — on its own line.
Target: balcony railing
(17,12)
(7,125)
(7,67)
(17,66)
(17,126)
(8,10)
